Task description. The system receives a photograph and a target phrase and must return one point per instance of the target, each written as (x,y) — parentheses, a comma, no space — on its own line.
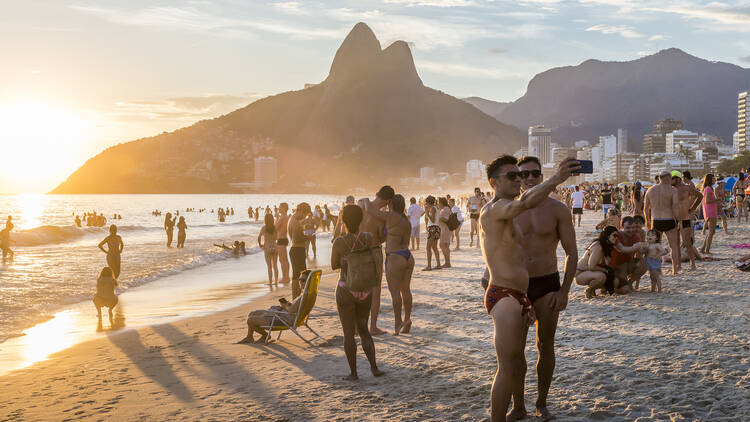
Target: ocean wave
(43,235)
(49,234)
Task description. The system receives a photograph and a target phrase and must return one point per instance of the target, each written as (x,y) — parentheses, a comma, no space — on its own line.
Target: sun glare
(40,145)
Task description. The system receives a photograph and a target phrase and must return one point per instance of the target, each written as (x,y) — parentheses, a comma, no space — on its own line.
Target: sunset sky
(77,77)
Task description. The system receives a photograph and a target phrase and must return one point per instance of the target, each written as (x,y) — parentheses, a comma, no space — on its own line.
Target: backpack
(452,222)
(364,267)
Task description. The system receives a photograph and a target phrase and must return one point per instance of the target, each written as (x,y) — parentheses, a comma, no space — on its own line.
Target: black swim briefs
(686,224)
(577,211)
(282,241)
(474,216)
(540,286)
(664,225)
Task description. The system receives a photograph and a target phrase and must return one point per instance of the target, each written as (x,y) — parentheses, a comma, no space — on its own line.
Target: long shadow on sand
(151,363)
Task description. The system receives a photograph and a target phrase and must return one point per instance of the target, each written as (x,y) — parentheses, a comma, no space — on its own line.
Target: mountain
(489,107)
(595,97)
(370,122)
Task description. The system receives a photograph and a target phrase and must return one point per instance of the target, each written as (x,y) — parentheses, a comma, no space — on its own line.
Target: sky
(77,77)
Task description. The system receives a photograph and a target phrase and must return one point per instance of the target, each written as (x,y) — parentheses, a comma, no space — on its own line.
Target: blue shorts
(654,264)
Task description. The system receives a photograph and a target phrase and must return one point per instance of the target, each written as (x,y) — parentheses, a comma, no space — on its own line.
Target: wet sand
(679,355)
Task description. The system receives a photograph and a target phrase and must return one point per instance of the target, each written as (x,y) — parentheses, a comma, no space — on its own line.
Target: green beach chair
(309,295)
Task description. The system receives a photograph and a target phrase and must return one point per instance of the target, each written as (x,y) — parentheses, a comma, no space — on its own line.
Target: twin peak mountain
(370,122)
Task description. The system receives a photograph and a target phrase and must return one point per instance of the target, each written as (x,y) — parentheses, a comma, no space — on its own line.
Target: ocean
(56,263)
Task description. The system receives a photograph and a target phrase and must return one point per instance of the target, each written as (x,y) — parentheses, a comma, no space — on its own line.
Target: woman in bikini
(270,252)
(353,306)
(637,199)
(399,263)
(593,268)
(739,195)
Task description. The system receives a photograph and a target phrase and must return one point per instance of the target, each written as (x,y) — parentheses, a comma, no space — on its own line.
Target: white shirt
(415,214)
(457,211)
(577,198)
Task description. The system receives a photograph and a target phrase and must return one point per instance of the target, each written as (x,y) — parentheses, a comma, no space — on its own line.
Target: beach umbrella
(730,181)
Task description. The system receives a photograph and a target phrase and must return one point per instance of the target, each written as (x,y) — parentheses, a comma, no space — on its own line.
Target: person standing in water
(169,227)
(5,242)
(113,251)
(181,234)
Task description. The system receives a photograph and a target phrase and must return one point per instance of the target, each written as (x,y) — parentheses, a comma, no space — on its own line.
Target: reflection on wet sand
(116,322)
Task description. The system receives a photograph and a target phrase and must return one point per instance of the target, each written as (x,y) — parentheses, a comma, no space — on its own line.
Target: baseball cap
(676,173)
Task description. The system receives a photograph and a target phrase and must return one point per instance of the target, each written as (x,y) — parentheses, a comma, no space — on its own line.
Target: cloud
(181,108)
(466,71)
(659,37)
(196,20)
(497,50)
(432,3)
(289,7)
(622,30)
(745,59)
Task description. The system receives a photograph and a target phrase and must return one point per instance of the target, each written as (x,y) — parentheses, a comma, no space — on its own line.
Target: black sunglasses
(525,173)
(511,175)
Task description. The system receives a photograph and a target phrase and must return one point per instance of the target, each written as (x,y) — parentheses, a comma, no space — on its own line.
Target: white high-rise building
(596,156)
(427,173)
(681,138)
(736,142)
(540,143)
(475,169)
(622,141)
(608,145)
(265,170)
(743,116)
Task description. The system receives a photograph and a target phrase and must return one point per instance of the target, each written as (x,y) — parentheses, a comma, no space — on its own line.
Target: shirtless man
(543,228)
(376,227)
(338,227)
(661,206)
(689,201)
(399,263)
(473,205)
(281,241)
(113,251)
(298,250)
(503,248)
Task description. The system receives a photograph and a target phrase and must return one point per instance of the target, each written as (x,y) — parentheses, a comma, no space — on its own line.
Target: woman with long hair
(399,263)
(710,212)
(739,196)
(353,306)
(181,233)
(169,227)
(593,268)
(268,235)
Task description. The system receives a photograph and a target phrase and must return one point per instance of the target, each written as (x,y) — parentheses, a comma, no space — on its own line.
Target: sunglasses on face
(526,173)
(511,175)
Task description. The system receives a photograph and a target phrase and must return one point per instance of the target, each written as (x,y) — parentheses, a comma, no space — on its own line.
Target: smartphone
(587,167)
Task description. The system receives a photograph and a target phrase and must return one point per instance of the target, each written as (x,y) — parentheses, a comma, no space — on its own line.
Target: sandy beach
(683,354)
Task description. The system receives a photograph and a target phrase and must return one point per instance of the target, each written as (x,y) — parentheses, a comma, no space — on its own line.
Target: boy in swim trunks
(653,259)
(505,299)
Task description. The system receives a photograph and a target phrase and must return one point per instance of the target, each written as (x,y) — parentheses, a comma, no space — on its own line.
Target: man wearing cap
(690,199)
(661,207)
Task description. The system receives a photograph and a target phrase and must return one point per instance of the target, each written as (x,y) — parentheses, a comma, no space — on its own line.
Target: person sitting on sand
(612,219)
(628,264)
(270,252)
(105,293)
(593,268)
(114,250)
(259,318)
(353,306)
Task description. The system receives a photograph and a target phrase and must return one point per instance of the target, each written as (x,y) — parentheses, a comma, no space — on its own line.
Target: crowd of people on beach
(522,220)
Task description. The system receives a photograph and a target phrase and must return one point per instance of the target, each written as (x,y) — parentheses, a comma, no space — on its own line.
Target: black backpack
(452,222)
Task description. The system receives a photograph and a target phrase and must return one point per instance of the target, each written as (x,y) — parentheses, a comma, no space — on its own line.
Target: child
(105,292)
(653,259)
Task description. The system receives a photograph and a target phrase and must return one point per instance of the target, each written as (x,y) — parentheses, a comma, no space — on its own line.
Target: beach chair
(309,295)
